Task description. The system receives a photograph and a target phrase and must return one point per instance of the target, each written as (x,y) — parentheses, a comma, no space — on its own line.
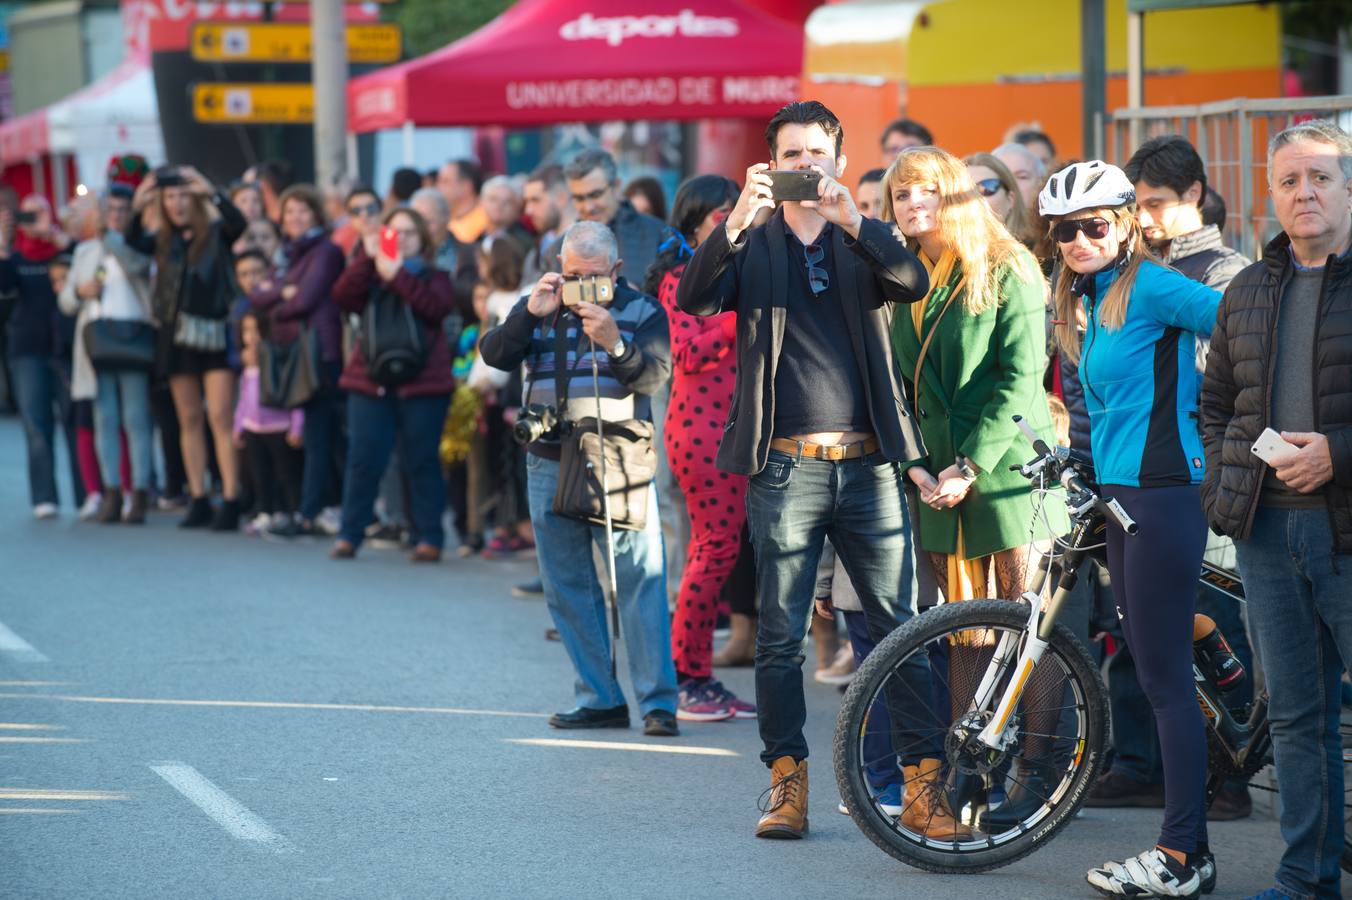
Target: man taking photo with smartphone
(820,424)
(628,343)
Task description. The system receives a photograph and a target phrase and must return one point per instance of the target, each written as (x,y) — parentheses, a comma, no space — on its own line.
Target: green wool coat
(979,372)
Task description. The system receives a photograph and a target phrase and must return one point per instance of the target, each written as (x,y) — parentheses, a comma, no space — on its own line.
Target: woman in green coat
(973,353)
(981,330)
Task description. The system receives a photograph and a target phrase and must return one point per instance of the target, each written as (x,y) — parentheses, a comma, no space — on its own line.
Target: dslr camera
(536,420)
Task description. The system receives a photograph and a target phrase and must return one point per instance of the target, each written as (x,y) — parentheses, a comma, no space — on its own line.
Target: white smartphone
(1270,444)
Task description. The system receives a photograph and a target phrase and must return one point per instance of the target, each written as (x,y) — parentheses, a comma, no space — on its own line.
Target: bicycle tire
(914,637)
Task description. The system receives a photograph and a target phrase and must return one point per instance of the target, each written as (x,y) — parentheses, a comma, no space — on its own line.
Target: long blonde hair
(966,224)
(1114,304)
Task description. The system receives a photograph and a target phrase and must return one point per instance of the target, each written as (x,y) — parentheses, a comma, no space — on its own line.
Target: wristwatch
(618,350)
(965,468)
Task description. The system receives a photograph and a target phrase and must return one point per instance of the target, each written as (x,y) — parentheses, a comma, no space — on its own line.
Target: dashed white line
(17,648)
(227,812)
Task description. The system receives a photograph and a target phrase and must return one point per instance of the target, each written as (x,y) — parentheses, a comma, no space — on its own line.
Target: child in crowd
(269,437)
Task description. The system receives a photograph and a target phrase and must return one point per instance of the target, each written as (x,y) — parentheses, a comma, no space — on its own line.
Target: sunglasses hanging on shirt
(817,278)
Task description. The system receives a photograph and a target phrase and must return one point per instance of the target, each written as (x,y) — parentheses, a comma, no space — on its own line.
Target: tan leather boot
(925,806)
(740,650)
(785,813)
(825,639)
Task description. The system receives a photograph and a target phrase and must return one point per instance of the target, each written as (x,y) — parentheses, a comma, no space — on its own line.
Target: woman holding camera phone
(192,229)
(394,260)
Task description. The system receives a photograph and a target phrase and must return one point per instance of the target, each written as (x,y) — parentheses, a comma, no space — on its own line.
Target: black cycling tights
(1154,575)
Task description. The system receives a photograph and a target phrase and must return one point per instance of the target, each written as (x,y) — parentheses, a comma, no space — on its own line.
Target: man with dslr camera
(559,335)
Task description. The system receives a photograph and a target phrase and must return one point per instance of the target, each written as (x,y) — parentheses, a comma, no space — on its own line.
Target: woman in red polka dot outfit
(703,373)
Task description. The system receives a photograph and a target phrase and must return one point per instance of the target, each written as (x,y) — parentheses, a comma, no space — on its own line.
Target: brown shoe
(740,650)
(110,507)
(925,804)
(342,550)
(785,813)
(425,553)
(136,512)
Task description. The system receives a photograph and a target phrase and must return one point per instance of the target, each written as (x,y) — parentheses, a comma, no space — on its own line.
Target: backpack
(393,341)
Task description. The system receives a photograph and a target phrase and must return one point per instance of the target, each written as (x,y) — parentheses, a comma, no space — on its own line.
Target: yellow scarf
(965,576)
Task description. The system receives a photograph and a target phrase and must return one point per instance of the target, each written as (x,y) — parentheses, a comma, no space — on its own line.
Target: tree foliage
(431,24)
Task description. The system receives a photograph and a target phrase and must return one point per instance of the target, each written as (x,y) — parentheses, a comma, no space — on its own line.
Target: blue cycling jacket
(1140,380)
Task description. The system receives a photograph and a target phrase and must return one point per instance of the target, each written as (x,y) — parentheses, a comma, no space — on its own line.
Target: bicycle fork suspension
(994,734)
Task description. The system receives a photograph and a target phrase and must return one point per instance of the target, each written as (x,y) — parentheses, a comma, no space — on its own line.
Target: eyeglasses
(1094,228)
(592,196)
(989,187)
(364,209)
(817,277)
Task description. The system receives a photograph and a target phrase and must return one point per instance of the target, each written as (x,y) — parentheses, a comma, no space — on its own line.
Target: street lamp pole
(329,72)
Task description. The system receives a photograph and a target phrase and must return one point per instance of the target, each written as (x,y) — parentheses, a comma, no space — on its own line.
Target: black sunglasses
(989,187)
(1094,228)
(817,277)
(371,208)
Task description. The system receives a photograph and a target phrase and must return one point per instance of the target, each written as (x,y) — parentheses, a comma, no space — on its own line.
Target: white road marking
(41,740)
(18,648)
(39,794)
(623,745)
(220,807)
(275,704)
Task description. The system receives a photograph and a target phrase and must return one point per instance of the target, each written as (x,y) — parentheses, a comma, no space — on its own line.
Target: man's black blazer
(751,278)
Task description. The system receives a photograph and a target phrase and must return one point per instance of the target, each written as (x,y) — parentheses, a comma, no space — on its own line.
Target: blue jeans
(373,425)
(1300,611)
(577,600)
(792,506)
(42,393)
(322,436)
(123,402)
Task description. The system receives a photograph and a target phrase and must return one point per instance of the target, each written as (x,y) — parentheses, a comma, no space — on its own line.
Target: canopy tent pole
(60,190)
(408,142)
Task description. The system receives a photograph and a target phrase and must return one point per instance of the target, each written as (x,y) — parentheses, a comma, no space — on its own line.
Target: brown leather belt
(829,452)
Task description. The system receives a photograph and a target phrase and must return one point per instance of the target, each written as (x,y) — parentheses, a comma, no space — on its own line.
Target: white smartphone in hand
(1270,444)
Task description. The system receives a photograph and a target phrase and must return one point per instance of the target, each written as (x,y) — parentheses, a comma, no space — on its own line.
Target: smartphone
(26,217)
(1270,444)
(793,184)
(598,289)
(169,176)
(389,243)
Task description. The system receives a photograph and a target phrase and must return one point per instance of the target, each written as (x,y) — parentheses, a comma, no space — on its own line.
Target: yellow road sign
(253,104)
(288,42)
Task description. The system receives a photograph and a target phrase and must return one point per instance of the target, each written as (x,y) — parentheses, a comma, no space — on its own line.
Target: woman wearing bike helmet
(1130,321)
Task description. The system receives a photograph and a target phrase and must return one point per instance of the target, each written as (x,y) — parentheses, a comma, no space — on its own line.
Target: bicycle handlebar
(1071,480)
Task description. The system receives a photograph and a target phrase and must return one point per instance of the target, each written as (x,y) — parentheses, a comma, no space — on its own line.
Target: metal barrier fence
(1232,138)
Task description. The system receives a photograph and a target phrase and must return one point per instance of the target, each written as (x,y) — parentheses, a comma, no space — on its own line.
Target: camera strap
(562,371)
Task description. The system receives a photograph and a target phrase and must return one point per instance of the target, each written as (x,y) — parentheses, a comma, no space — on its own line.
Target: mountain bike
(1017,701)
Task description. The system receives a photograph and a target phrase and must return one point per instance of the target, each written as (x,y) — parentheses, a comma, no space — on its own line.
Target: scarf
(965,576)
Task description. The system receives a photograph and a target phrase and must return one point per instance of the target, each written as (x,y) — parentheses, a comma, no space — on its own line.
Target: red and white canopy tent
(546,62)
(78,134)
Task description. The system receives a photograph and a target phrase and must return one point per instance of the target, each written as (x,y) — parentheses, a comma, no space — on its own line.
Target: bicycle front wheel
(1055,738)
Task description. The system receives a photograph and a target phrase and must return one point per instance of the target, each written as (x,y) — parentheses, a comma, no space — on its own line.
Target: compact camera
(535,421)
(598,289)
(169,176)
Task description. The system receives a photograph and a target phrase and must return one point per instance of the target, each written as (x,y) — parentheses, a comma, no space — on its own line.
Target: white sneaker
(1150,874)
(329,521)
(88,510)
(47,511)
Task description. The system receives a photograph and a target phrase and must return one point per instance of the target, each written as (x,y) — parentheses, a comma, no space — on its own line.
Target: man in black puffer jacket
(1281,358)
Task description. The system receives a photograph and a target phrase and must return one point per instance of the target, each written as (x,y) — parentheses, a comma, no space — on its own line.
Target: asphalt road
(189,715)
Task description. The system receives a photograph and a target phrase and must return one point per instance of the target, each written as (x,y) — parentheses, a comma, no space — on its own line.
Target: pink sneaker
(697,703)
(740,708)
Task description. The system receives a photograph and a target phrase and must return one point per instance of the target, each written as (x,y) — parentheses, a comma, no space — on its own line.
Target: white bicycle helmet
(1085,185)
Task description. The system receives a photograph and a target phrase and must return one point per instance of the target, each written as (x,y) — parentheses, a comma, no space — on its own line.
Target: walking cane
(612,589)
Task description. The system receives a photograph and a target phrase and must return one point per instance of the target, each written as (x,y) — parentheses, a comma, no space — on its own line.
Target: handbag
(631,466)
(289,374)
(115,345)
